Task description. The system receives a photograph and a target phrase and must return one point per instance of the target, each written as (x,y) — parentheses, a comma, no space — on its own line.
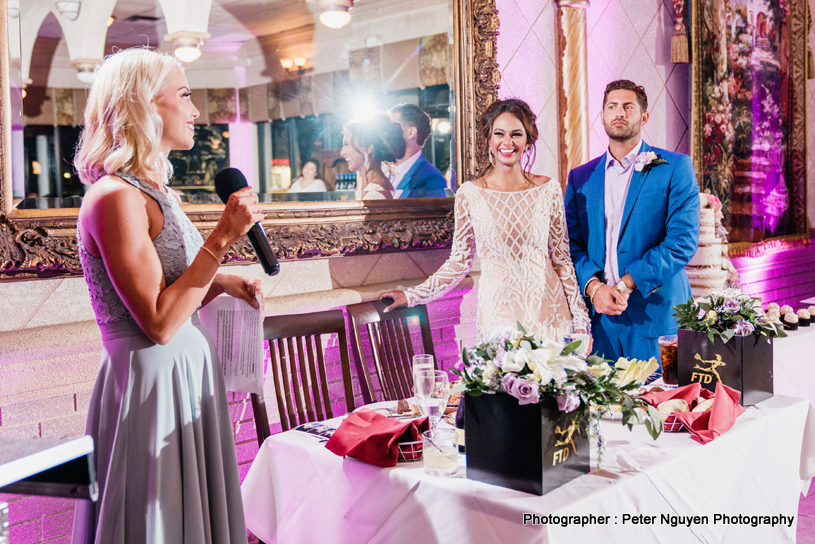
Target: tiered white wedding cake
(710,267)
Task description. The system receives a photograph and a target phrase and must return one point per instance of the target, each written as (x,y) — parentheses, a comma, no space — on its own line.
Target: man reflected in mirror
(414,176)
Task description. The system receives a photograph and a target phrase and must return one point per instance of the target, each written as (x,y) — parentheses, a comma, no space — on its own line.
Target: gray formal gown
(165,452)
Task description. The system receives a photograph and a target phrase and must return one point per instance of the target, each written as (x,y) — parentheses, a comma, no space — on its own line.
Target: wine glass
(433,391)
(421,361)
(577,329)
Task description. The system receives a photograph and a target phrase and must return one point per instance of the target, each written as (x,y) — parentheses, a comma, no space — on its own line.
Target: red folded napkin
(371,437)
(703,426)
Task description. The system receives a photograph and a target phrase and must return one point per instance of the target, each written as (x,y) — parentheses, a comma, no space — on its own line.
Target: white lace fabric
(527,274)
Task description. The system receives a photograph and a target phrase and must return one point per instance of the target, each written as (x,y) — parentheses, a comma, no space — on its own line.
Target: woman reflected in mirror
(366,144)
(308,182)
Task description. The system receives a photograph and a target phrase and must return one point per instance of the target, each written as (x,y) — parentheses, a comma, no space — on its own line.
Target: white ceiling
(246,33)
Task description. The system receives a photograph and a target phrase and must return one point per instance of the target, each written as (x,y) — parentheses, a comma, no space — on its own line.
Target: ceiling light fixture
(86,69)
(334,13)
(335,16)
(187,44)
(68,9)
(111,20)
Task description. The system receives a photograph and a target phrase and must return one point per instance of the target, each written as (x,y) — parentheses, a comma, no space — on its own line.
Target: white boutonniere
(647,160)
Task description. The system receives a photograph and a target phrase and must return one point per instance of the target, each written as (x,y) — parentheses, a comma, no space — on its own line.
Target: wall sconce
(294,64)
(13,9)
(334,13)
(187,44)
(68,9)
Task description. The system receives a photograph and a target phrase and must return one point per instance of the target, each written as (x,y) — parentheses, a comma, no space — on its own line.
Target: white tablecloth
(794,364)
(299,492)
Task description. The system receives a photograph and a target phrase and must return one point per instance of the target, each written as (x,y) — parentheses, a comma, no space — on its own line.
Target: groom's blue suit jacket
(659,234)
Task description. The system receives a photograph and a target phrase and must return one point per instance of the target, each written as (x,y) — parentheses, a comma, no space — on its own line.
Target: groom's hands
(607,300)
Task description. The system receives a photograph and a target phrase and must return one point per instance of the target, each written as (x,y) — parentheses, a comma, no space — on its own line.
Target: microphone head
(227,181)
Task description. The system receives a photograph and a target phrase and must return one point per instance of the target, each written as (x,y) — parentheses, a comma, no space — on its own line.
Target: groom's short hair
(414,116)
(627,85)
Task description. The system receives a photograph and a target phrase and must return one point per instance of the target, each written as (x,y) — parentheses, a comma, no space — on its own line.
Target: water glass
(421,361)
(577,329)
(440,452)
(668,350)
(432,391)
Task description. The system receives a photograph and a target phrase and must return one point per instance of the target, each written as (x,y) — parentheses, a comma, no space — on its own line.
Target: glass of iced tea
(668,355)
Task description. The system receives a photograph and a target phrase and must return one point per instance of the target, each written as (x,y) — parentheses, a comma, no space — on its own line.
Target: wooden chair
(391,347)
(298,369)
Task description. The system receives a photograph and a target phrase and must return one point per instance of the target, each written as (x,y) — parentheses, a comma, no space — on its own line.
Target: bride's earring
(492,159)
(367,161)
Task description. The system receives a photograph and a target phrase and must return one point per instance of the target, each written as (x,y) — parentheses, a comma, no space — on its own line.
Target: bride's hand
(398,297)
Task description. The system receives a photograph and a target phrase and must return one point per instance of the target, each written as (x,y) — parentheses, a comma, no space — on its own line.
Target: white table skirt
(299,492)
(794,364)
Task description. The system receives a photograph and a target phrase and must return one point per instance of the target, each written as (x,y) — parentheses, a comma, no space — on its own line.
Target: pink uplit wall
(526,58)
(631,39)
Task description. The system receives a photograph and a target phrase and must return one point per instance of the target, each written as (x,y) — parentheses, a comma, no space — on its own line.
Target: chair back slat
(282,389)
(391,347)
(324,410)
(296,383)
(383,370)
(306,358)
(298,369)
(402,334)
(400,360)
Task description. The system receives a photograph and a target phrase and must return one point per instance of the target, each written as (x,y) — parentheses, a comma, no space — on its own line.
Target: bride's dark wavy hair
(523,113)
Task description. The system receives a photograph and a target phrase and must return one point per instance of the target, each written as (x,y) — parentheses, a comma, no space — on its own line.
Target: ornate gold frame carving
(42,243)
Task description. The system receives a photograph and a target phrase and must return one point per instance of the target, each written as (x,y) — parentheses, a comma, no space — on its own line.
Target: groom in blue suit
(414,176)
(633,220)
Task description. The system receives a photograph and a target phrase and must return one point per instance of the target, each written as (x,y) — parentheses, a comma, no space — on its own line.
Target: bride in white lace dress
(365,146)
(516,224)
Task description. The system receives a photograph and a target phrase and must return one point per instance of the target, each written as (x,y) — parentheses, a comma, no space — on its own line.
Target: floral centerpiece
(726,338)
(726,314)
(533,369)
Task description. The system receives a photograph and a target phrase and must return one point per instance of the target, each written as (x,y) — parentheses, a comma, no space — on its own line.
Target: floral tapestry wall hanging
(749,119)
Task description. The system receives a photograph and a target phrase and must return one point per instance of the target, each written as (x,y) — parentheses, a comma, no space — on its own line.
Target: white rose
(542,374)
(575,363)
(521,357)
(489,373)
(541,356)
(509,364)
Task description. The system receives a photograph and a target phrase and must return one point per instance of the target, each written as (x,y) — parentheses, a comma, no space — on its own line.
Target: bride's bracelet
(594,291)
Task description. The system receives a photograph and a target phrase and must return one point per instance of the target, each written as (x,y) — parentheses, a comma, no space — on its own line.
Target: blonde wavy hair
(122,126)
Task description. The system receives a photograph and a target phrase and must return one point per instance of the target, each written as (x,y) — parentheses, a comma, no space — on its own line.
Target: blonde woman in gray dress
(165,453)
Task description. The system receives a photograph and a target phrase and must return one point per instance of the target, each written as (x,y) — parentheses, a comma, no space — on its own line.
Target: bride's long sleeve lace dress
(522,242)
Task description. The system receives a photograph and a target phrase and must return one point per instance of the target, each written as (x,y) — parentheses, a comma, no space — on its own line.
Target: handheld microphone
(229,180)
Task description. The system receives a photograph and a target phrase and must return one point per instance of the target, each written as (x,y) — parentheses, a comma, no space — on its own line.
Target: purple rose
(743,328)
(568,403)
(731,304)
(701,314)
(507,381)
(524,390)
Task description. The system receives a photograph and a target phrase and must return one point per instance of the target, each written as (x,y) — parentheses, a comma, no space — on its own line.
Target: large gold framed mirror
(275,83)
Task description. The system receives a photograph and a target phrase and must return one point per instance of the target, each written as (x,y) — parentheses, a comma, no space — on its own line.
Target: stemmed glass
(421,361)
(432,390)
(577,329)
